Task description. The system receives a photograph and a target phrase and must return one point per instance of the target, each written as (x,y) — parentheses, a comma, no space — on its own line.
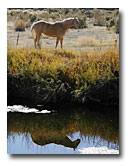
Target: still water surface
(71,132)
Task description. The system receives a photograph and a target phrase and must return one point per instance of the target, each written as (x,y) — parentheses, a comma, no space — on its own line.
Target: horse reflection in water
(57,29)
(55,127)
(59,139)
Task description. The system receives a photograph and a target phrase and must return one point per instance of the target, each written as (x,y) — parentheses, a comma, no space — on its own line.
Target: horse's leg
(57,41)
(38,39)
(35,40)
(61,42)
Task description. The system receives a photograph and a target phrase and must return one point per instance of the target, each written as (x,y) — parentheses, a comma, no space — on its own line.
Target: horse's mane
(71,18)
(66,19)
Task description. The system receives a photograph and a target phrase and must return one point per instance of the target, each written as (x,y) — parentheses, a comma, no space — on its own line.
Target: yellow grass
(84,41)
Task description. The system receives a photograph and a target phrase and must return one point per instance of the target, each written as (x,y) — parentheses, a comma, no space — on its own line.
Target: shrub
(83,22)
(99,18)
(116,12)
(89,14)
(107,18)
(117,25)
(32,18)
(111,23)
(99,21)
(20,25)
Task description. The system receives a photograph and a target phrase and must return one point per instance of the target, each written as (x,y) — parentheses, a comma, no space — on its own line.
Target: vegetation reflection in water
(70,129)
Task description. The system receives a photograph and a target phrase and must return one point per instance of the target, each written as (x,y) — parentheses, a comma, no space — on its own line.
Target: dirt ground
(93,38)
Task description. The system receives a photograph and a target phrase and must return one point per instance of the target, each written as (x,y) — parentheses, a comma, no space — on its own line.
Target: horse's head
(76,22)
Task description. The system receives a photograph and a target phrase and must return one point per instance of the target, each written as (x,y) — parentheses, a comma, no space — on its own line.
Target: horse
(57,29)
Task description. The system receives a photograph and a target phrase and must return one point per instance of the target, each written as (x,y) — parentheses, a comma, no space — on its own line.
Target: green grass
(52,77)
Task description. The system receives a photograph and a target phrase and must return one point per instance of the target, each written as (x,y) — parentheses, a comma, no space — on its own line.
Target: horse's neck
(68,24)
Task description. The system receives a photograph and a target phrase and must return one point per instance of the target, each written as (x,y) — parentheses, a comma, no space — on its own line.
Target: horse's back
(53,29)
(50,29)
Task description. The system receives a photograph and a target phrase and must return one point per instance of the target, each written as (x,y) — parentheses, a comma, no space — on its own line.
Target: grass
(86,41)
(52,77)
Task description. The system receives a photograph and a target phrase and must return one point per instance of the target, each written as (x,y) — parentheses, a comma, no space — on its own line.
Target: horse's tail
(33,31)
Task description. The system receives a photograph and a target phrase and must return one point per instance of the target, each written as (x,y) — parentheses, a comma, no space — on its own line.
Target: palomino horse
(57,29)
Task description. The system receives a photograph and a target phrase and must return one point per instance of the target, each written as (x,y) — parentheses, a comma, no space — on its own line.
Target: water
(74,131)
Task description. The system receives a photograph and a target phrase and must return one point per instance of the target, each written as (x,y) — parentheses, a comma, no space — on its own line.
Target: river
(74,131)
